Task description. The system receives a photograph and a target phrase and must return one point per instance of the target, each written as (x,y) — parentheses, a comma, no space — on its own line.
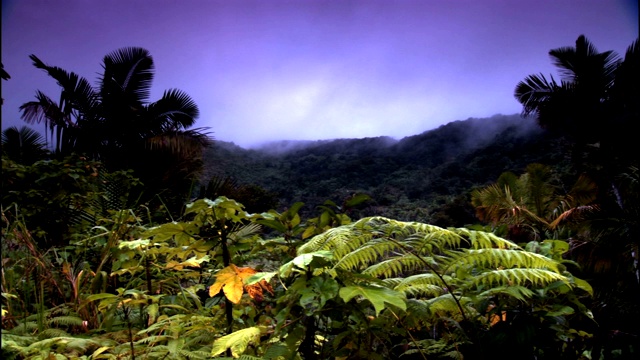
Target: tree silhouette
(116,123)
(23,145)
(593,102)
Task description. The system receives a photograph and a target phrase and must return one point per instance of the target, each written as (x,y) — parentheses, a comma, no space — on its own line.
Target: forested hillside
(425,177)
(479,235)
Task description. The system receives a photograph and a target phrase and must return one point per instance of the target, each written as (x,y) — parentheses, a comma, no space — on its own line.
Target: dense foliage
(291,252)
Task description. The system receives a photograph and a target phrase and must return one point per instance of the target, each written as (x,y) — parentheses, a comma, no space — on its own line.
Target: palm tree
(116,123)
(595,102)
(23,145)
(586,78)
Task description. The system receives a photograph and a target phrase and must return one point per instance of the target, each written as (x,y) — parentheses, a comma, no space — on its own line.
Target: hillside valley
(425,177)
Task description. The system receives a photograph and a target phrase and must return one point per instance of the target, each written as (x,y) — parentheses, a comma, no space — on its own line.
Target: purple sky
(305,70)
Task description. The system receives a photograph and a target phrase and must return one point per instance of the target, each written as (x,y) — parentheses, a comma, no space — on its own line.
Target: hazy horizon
(312,70)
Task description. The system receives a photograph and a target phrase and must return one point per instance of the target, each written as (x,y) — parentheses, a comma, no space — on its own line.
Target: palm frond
(4,75)
(534,91)
(128,74)
(245,232)
(572,214)
(23,145)
(175,111)
(186,143)
(44,110)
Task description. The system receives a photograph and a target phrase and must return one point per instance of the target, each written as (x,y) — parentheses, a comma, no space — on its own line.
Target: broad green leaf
(582,284)
(152,310)
(181,232)
(101,296)
(378,296)
(273,224)
(134,244)
(238,341)
(356,199)
(561,311)
(303,261)
(191,262)
(257,277)
(293,210)
(99,351)
(199,205)
(318,291)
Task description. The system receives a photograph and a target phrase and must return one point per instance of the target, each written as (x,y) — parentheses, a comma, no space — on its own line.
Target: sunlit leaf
(232,280)
(378,296)
(237,341)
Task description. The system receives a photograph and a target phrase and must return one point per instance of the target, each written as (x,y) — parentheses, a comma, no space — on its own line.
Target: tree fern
(436,264)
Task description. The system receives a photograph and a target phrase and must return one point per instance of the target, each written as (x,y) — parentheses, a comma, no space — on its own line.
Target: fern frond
(369,253)
(418,311)
(442,304)
(433,242)
(340,240)
(277,351)
(65,321)
(422,284)
(237,341)
(520,277)
(24,328)
(187,354)
(518,292)
(398,265)
(154,339)
(486,240)
(201,336)
(51,333)
(69,343)
(503,258)
(23,340)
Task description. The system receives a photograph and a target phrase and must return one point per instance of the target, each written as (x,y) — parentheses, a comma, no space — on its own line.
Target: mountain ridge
(411,178)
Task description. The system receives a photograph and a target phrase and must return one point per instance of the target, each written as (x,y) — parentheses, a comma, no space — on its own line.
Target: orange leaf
(231,281)
(256,290)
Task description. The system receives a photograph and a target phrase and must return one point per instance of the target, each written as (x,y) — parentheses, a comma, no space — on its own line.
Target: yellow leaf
(231,281)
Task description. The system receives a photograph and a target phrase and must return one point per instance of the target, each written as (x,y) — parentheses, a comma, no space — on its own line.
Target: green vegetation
(293,254)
